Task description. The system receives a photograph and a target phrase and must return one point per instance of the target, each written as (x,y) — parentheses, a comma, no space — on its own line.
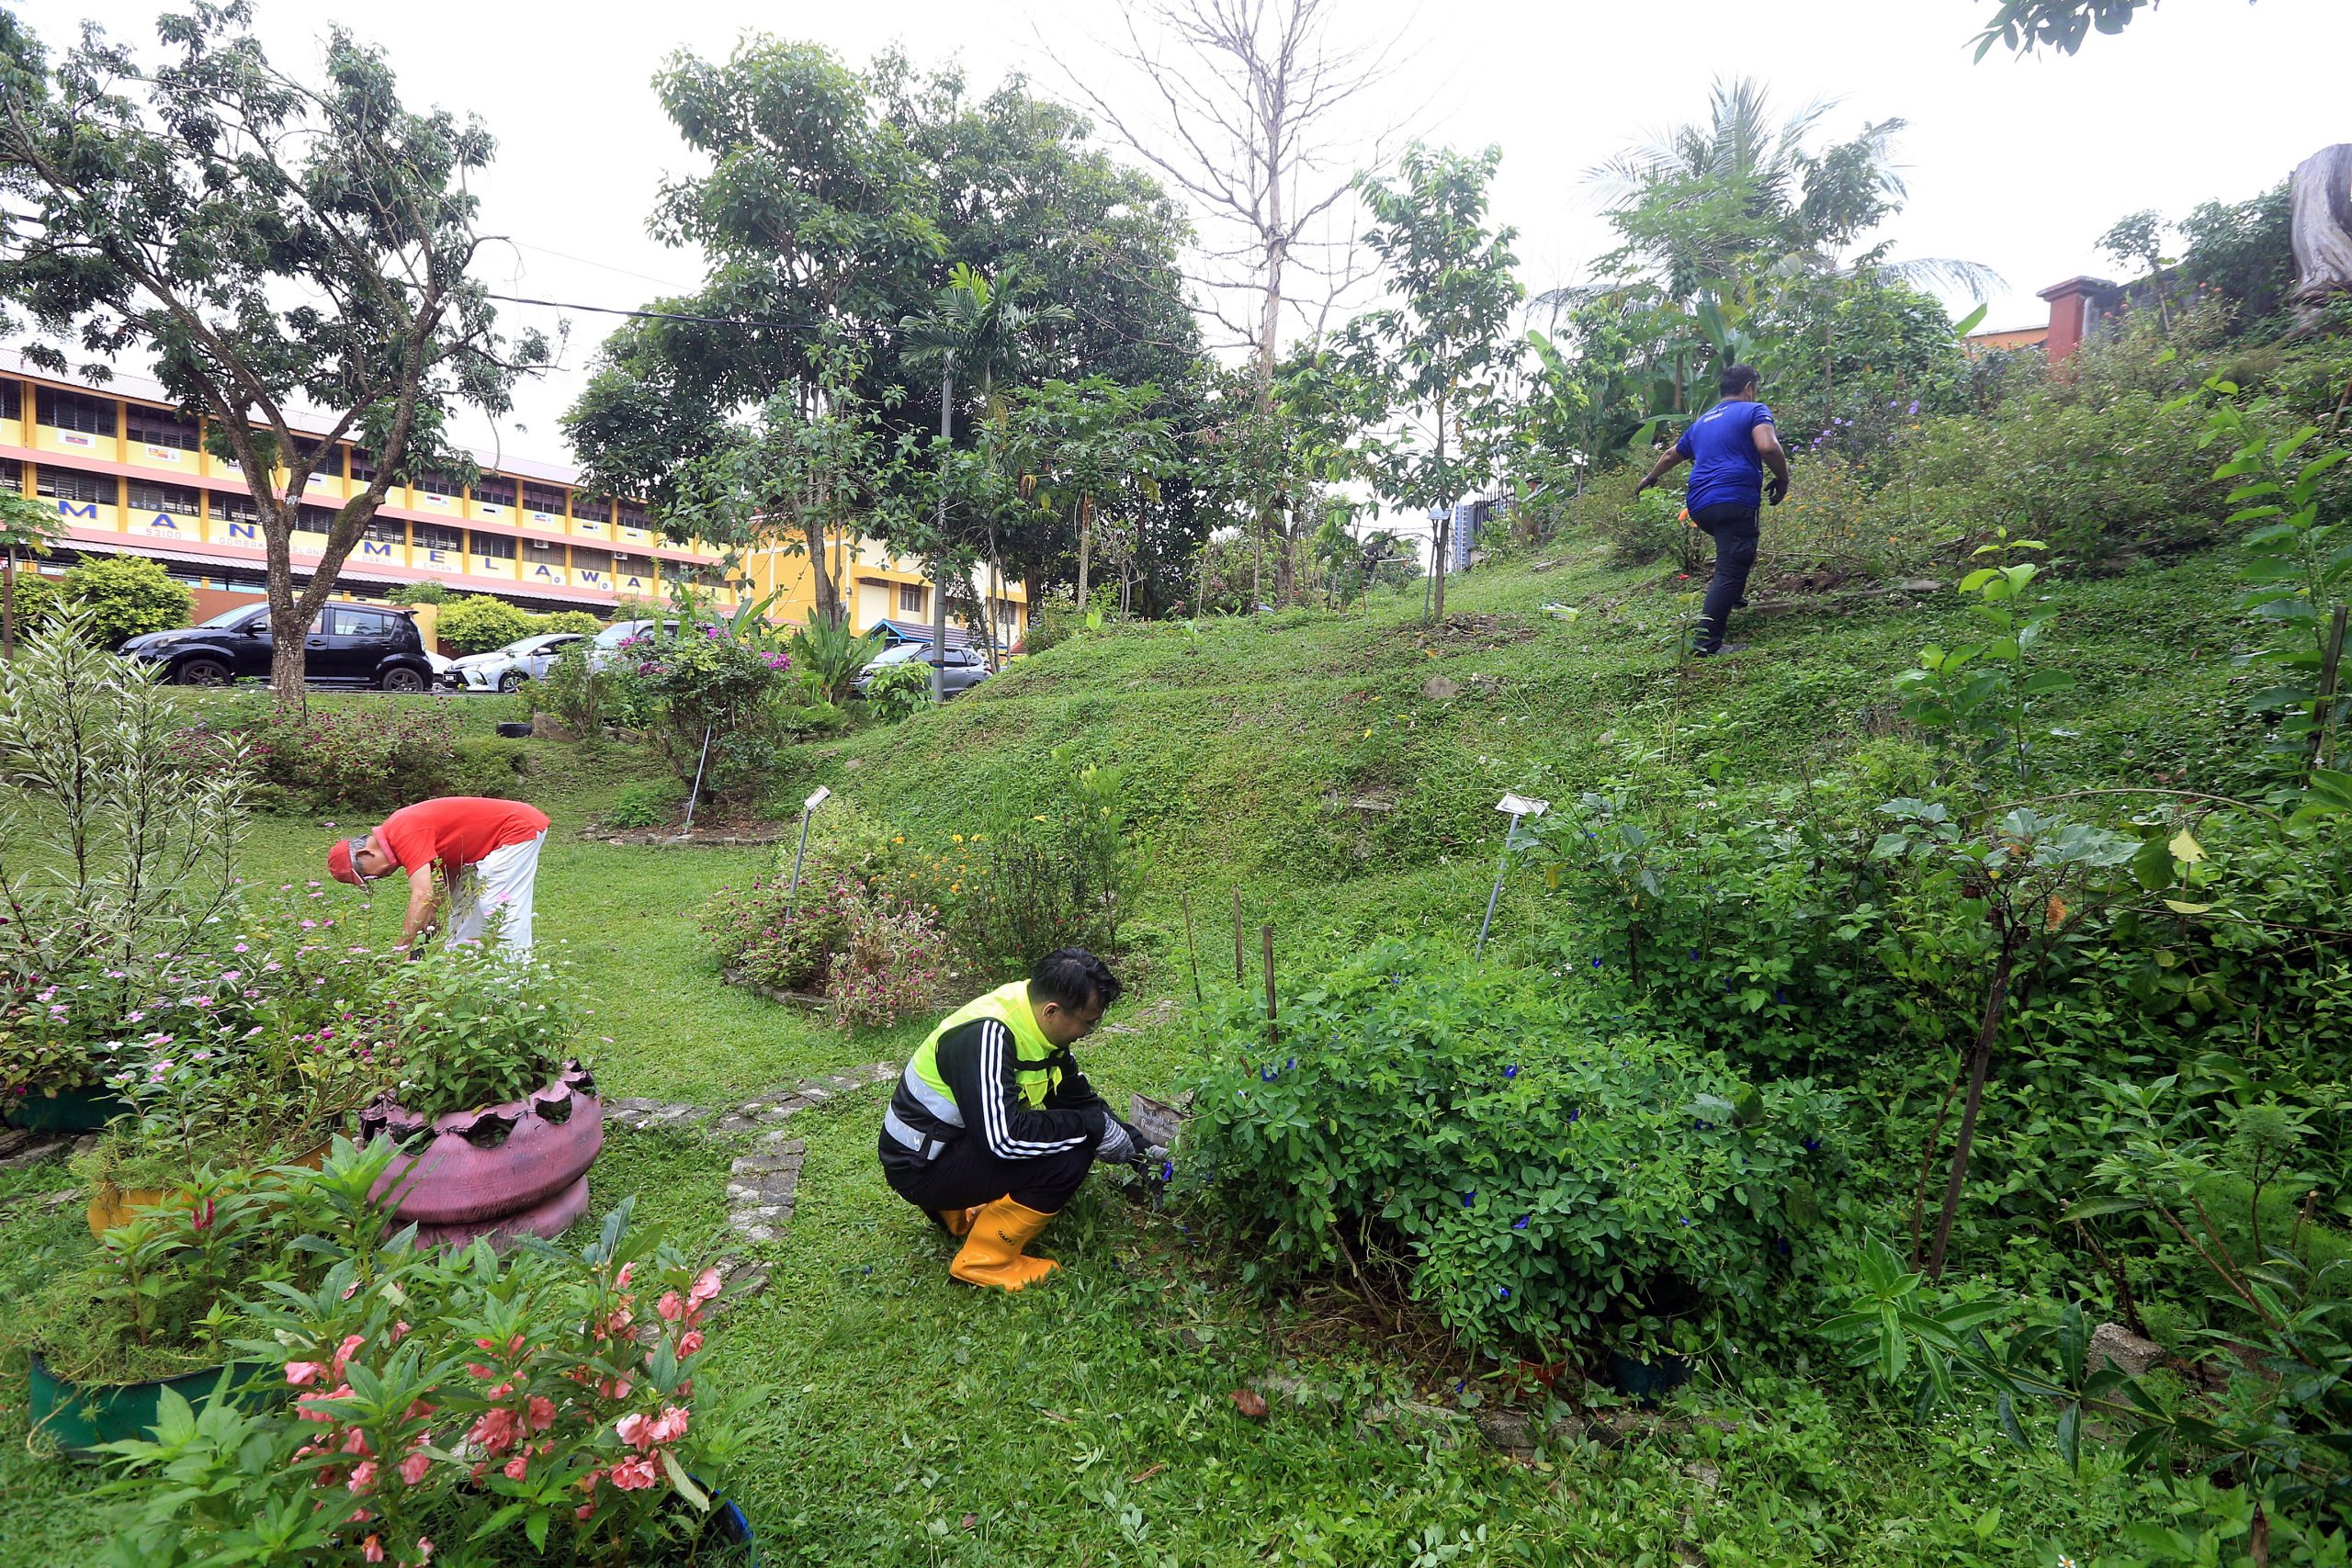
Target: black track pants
(1734,531)
(965,1174)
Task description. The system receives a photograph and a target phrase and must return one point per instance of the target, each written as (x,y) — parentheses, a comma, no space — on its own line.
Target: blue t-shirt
(1724,468)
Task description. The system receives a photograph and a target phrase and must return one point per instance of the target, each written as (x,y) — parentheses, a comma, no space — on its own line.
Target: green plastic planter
(80,1416)
(68,1110)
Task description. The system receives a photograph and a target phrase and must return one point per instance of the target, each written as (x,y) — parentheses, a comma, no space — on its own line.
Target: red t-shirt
(459,831)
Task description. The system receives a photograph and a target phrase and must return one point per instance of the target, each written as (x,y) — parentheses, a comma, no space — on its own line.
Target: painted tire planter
(68,1110)
(506,1171)
(111,1206)
(81,1416)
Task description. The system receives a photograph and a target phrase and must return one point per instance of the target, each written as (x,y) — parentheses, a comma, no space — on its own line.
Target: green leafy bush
(1542,1183)
(776,935)
(473,1026)
(643,805)
(488,765)
(38,597)
(830,657)
(579,621)
(899,690)
(716,697)
(367,757)
(477,623)
(126,596)
(1066,876)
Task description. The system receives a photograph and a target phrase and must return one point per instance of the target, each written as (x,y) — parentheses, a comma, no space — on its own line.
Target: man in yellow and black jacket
(993,1126)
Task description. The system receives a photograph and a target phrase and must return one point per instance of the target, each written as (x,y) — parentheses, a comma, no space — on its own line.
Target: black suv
(349,645)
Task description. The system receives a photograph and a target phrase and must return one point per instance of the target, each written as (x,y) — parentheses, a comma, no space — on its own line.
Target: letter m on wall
(88,509)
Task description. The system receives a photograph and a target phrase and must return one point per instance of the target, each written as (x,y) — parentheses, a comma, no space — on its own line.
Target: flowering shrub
(1539,1185)
(451,1401)
(365,757)
(892,960)
(474,1026)
(776,936)
(708,685)
(1065,876)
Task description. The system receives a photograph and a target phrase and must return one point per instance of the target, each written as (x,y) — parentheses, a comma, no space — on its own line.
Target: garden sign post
(808,809)
(1516,807)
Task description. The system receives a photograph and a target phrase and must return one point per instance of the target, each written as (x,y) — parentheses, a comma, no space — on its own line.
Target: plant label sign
(1523,805)
(822,795)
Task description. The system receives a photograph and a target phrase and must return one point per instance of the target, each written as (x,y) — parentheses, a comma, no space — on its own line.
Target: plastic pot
(67,1110)
(520,1169)
(80,1416)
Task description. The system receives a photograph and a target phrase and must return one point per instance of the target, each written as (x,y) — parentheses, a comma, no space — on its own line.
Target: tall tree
(1433,360)
(2027,25)
(263,240)
(1242,112)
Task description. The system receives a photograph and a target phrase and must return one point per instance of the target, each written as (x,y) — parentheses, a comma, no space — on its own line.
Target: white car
(506,669)
(608,641)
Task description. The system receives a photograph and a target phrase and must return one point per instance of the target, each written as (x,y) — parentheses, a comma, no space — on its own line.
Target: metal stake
(1502,869)
(808,809)
(695,794)
(1274,1030)
(1192,949)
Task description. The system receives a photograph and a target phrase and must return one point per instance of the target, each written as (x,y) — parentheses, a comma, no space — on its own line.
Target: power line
(661,315)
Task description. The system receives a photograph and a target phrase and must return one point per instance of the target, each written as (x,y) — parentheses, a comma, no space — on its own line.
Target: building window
(12,475)
(633,515)
(493,547)
(159,427)
(438,484)
(231,507)
(12,399)
(180,501)
(324,464)
(910,600)
(543,498)
(586,508)
(363,465)
(316,519)
(72,484)
(385,531)
(435,536)
(591,560)
(71,410)
(494,490)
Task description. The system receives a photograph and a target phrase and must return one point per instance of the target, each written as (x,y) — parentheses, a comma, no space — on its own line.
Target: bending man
(993,1126)
(487,852)
(1727,448)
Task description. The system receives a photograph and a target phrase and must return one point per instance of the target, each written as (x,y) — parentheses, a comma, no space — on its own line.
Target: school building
(128,475)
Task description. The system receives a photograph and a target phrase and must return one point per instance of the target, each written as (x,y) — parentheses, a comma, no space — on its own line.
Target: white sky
(2017,164)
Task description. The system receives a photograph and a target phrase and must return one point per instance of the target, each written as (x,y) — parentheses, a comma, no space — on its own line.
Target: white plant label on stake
(1522,805)
(1518,807)
(817,799)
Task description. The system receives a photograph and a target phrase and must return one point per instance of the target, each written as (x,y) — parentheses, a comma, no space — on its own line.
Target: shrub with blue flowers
(1542,1182)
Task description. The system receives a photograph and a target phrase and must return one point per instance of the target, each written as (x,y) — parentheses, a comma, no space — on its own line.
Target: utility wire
(662,315)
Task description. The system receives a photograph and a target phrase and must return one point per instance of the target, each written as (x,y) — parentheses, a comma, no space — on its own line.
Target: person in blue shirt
(1728,449)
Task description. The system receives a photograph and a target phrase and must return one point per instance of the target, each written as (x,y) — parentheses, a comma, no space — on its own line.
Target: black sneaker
(1717,652)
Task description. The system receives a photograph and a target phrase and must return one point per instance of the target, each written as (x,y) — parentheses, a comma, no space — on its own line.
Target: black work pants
(1734,530)
(965,1174)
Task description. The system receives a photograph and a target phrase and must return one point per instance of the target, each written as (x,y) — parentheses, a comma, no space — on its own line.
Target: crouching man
(993,1126)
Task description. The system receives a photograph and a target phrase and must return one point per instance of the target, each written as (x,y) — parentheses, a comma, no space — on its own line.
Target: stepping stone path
(760,1185)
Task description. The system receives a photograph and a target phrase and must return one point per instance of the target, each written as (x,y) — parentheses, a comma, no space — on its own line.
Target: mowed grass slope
(906,1420)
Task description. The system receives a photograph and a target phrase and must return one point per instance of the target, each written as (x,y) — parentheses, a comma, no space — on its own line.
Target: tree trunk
(1444,533)
(1208,545)
(1085,545)
(828,593)
(1979,1059)
(2322,233)
(939,570)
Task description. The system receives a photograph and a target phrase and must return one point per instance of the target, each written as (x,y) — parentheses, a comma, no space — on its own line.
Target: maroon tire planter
(519,1168)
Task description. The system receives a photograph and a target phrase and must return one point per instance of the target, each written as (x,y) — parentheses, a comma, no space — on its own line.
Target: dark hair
(1074,977)
(1736,376)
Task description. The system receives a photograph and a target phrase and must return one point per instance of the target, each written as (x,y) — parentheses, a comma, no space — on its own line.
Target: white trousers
(496,890)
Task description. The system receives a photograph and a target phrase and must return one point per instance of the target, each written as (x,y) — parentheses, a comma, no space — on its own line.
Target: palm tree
(985,328)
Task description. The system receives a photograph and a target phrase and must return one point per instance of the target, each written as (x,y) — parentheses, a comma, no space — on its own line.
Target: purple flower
(1468,1197)
(1520,1224)
(1502,1292)
(1511,1072)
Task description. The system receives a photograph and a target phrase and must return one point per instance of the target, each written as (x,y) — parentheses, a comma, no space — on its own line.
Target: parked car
(600,652)
(965,669)
(349,645)
(506,669)
(444,671)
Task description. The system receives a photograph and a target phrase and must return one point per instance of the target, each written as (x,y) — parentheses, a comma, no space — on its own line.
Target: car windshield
(906,652)
(228,618)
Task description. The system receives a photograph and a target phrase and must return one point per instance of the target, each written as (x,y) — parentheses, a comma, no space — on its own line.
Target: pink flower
(515,1467)
(372,1549)
(585,1512)
(494,1431)
(671,1426)
(363,1475)
(673,1306)
(634,1474)
(706,1286)
(424,1549)
(622,1278)
(412,1468)
(542,1411)
(355,1441)
(344,1351)
(689,1342)
(300,1372)
(635,1429)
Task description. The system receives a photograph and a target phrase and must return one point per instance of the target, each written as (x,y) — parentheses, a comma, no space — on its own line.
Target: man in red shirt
(486,850)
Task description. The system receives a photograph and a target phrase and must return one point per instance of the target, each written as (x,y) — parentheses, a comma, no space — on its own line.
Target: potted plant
(542,1407)
(495,1126)
(150,1311)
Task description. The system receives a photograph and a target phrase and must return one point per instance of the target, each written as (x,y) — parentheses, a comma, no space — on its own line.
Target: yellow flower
(956,887)
(957,837)
(1367,732)
(1038,818)
(899,839)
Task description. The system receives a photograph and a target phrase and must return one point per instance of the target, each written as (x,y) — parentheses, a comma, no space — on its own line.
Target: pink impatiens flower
(634,1474)
(672,1306)
(635,1430)
(542,1411)
(372,1549)
(689,1342)
(301,1372)
(412,1468)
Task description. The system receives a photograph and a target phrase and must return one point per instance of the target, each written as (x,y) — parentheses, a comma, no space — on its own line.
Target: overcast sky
(2017,164)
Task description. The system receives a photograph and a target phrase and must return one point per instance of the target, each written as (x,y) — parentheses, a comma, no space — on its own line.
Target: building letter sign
(246,532)
(378,549)
(88,509)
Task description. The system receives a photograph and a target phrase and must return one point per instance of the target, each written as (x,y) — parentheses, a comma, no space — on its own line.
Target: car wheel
(202,672)
(511,682)
(401,679)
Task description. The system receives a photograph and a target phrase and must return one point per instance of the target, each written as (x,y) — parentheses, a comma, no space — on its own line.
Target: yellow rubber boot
(991,1254)
(958,1222)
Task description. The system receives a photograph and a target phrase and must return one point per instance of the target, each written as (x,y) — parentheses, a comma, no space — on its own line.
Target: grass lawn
(909,1420)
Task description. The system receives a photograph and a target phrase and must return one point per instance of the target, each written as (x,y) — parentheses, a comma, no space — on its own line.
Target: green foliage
(1069,876)
(644,806)
(2025,25)
(1542,1182)
(477,623)
(579,621)
(488,765)
(831,656)
(717,697)
(898,692)
(38,597)
(373,758)
(475,1026)
(126,596)
(425,593)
